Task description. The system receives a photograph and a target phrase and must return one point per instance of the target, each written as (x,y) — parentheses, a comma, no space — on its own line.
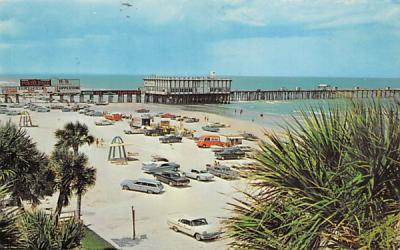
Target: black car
(230,154)
(153,132)
(170,139)
(172,178)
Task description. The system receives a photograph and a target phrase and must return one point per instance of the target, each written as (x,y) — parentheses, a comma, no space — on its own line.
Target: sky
(332,38)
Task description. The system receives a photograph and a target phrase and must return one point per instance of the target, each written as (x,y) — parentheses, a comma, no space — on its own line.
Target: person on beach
(261,115)
(102,142)
(235,111)
(97,142)
(241,111)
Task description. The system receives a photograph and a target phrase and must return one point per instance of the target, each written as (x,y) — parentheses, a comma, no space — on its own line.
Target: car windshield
(199,222)
(203,171)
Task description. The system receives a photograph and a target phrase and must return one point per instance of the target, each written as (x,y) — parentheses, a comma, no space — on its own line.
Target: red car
(168,115)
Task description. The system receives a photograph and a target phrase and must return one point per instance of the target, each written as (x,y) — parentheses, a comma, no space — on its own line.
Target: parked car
(222,171)
(159,166)
(143,185)
(170,139)
(97,114)
(168,115)
(244,148)
(210,129)
(172,178)
(200,175)
(103,123)
(249,137)
(216,125)
(142,110)
(153,132)
(66,110)
(159,158)
(128,132)
(206,141)
(12,113)
(230,154)
(192,120)
(42,109)
(197,227)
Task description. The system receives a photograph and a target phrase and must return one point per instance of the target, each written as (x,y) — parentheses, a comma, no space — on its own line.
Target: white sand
(107,209)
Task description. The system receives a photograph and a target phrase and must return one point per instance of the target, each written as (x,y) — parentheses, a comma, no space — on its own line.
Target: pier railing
(274,95)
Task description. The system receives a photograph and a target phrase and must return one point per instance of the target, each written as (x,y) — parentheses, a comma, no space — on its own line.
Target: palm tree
(68,166)
(74,135)
(333,181)
(85,178)
(28,175)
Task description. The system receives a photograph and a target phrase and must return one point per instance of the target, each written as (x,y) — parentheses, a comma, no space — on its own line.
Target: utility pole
(133,223)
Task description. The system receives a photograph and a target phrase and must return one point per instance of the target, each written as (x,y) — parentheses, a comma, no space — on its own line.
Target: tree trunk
(78,206)
(60,203)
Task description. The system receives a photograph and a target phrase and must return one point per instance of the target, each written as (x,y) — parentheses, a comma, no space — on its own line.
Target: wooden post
(133,223)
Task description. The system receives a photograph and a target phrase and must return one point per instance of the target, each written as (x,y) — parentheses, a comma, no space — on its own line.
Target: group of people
(99,142)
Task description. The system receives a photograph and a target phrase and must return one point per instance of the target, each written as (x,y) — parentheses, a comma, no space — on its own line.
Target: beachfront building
(187,90)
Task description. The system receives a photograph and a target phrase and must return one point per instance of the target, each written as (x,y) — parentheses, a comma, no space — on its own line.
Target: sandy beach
(106,208)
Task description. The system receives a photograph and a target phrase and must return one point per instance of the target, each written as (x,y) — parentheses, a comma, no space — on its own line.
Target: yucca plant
(332,181)
(41,231)
(9,232)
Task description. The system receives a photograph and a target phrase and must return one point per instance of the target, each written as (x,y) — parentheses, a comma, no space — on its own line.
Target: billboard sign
(35,82)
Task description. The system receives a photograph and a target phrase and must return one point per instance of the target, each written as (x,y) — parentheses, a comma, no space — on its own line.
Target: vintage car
(143,185)
(65,109)
(142,110)
(42,109)
(249,137)
(230,154)
(196,227)
(172,178)
(191,120)
(170,139)
(154,132)
(200,175)
(159,158)
(244,148)
(216,125)
(206,141)
(168,115)
(210,129)
(103,123)
(222,171)
(159,166)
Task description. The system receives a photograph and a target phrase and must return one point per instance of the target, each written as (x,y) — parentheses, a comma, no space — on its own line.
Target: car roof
(148,180)
(203,136)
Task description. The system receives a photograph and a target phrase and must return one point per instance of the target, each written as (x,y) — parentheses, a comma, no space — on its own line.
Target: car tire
(125,187)
(198,178)
(197,237)
(175,229)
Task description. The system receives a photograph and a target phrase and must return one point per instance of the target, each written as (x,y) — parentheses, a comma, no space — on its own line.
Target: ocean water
(266,113)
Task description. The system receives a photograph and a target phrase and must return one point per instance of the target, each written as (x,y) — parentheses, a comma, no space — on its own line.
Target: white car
(197,227)
(200,175)
(143,185)
(103,123)
(159,166)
